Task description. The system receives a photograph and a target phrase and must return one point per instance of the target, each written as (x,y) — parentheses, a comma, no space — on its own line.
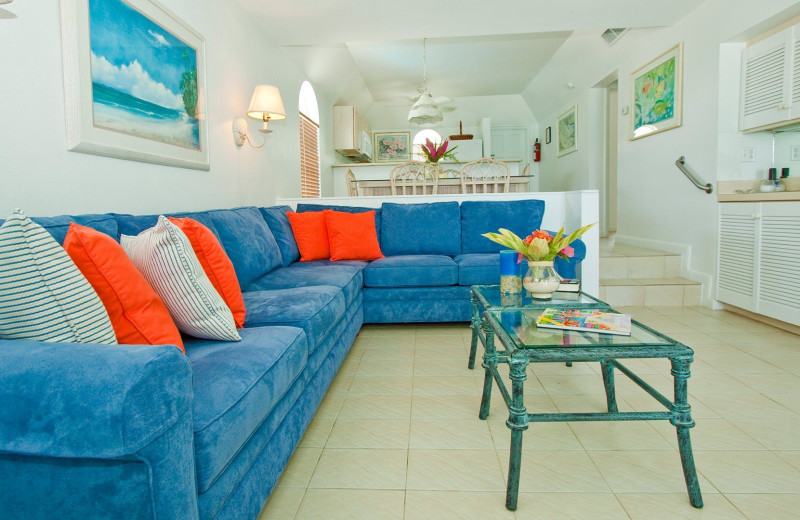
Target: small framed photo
(656,94)
(392,146)
(567,128)
(548,135)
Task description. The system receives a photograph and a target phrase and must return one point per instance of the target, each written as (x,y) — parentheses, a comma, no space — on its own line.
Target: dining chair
(352,185)
(485,176)
(414,178)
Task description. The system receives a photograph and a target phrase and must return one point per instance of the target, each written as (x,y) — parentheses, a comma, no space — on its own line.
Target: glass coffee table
(521,342)
(489,296)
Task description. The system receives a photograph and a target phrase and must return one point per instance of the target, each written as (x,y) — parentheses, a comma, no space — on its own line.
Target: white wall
(39,175)
(656,202)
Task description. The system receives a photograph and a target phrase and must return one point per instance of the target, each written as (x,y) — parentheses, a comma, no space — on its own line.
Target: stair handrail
(681,164)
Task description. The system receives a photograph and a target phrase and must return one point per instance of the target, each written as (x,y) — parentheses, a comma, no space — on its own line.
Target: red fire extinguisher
(537,151)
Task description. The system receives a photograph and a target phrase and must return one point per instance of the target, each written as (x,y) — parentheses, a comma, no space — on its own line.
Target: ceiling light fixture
(424,111)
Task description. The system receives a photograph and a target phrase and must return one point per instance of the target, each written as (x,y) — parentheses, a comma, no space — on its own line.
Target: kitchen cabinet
(352,136)
(771,81)
(758,270)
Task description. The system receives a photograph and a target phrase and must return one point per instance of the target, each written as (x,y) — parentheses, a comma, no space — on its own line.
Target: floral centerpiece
(433,153)
(540,248)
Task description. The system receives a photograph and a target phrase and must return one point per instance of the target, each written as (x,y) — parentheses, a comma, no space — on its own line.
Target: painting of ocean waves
(144,79)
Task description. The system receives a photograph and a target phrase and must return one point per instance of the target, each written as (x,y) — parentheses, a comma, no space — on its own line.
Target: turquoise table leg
(682,420)
(608,380)
(475,324)
(490,365)
(518,423)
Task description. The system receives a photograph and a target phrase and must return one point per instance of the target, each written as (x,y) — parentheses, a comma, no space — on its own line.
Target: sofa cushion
(58,226)
(311,234)
(302,207)
(278,223)
(411,271)
(420,229)
(478,268)
(134,224)
(306,274)
(478,217)
(236,385)
(315,309)
(248,241)
(352,236)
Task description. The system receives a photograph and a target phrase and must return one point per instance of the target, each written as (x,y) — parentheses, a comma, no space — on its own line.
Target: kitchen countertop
(359,165)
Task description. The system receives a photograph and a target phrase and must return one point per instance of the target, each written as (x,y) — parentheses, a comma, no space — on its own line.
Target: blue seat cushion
(58,226)
(347,278)
(281,229)
(248,242)
(304,206)
(478,268)
(315,309)
(236,385)
(411,271)
(478,216)
(420,229)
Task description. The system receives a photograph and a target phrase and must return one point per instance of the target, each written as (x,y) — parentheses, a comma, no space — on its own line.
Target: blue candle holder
(510,279)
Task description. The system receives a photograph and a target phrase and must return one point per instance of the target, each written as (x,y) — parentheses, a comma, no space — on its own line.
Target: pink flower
(567,251)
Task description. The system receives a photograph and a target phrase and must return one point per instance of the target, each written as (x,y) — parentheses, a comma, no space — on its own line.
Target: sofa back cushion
(247,239)
(132,225)
(478,217)
(278,223)
(58,226)
(420,229)
(345,209)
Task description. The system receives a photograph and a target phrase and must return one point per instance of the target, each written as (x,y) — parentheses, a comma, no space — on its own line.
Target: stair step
(655,266)
(662,292)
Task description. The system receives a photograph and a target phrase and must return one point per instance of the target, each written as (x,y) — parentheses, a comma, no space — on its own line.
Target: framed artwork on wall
(134,83)
(548,135)
(656,94)
(567,131)
(392,146)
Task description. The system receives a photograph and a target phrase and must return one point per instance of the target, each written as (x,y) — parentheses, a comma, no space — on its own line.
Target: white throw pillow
(165,257)
(43,295)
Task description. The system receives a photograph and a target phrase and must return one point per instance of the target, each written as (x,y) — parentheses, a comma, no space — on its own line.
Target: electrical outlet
(796,153)
(748,155)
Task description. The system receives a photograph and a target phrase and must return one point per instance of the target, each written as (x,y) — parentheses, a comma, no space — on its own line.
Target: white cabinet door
(767,81)
(737,257)
(779,269)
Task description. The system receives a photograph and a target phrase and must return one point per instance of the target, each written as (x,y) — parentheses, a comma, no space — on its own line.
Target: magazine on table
(585,321)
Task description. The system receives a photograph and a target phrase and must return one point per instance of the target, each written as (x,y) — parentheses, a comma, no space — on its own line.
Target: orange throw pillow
(311,235)
(138,315)
(216,264)
(352,236)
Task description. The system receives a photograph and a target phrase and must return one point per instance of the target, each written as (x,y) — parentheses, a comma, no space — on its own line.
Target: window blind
(309,158)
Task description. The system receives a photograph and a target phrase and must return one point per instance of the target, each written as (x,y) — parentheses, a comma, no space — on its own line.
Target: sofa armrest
(88,400)
(568,268)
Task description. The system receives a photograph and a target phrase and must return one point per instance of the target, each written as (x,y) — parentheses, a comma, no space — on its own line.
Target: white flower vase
(541,280)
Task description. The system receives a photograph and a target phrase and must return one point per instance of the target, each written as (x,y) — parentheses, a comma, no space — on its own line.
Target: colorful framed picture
(656,94)
(134,77)
(392,146)
(548,135)
(567,131)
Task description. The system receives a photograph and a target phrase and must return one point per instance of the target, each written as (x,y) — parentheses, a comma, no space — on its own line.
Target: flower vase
(541,280)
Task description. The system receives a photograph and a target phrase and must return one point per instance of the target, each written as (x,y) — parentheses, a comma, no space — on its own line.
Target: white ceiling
(475,47)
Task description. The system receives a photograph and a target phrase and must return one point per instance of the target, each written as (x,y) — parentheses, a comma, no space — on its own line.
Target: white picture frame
(176,139)
(567,132)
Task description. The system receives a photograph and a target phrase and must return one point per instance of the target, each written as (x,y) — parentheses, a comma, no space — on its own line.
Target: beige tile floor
(397,436)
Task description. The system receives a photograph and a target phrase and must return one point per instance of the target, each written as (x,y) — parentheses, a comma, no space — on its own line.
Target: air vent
(612,35)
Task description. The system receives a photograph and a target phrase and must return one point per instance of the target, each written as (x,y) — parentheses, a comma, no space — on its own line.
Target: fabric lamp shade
(266,104)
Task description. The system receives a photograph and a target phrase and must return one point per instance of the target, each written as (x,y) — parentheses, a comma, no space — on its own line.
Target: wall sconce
(265,105)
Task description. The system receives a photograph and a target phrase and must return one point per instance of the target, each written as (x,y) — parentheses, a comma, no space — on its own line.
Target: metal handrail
(681,164)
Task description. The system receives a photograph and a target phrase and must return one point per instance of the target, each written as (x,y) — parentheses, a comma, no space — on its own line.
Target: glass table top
(519,324)
(492,297)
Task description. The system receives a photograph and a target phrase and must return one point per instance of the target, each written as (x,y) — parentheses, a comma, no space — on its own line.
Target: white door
(738,252)
(766,81)
(779,269)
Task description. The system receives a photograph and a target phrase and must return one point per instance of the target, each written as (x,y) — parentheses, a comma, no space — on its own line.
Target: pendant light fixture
(424,111)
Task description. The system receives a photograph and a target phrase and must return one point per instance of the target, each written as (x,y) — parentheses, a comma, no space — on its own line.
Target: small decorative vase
(541,280)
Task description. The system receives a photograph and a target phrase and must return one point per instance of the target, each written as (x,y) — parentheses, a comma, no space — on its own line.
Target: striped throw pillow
(43,295)
(164,255)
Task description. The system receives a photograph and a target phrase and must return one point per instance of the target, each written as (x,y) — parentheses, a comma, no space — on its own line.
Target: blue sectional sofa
(93,431)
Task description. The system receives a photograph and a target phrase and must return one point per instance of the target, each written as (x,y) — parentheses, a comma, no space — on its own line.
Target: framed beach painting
(656,94)
(567,131)
(134,78)
(392,146)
